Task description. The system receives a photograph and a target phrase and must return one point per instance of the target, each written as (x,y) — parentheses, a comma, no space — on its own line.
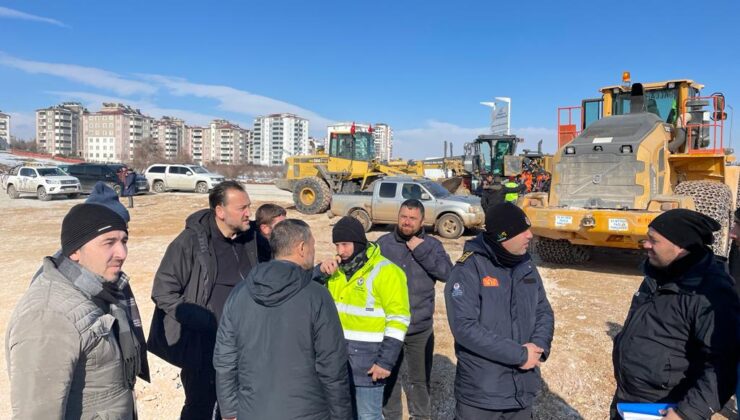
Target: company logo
(489,281)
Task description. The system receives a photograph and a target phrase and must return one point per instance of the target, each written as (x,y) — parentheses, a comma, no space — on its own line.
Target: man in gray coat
(74,345)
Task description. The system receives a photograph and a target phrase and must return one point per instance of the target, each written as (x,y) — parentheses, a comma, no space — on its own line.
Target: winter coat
(62,354)
(280,352)
(679,342)
(426,264)
(183,329)
(493,311)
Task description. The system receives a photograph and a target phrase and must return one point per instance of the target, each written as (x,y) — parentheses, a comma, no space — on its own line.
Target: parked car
(165,177)
(44,181)
(448,214)
(90,173)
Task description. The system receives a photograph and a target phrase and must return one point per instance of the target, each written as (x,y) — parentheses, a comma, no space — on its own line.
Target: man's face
(660,251)
(735,232)
(308,252)
(519,244)
(235,212)
(104,255)
(345,250)
(267,229)
(409,221)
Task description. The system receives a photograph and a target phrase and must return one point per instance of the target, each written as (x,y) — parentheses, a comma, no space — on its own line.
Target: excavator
(641,149)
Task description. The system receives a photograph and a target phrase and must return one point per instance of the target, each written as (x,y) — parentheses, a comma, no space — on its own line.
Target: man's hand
(329,266)
(670,414)
(228,418)
(414,242)
(378,373)
(534,353)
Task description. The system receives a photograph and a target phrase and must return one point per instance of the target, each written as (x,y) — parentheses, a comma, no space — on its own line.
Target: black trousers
(200,393)
(417,352)
(468,412)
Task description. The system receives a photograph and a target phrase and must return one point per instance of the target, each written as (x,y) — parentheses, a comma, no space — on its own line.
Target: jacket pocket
(102,343)
(362,355)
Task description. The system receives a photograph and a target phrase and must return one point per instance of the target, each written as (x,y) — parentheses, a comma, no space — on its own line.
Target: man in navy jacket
(501,320)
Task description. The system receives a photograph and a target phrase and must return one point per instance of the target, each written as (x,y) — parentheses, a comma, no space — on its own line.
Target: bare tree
(146,153)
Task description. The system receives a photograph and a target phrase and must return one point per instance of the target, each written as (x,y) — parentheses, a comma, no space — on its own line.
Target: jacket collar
(479,246)
(687,282)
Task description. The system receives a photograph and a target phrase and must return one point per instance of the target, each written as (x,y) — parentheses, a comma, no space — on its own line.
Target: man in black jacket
(424,260)
(280,350)
(679,341)
(501,320)
(217,249)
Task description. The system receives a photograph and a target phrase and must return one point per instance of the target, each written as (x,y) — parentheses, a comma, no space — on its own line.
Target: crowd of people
(260,330)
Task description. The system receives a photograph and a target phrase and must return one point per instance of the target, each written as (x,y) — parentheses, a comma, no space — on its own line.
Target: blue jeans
(368,402)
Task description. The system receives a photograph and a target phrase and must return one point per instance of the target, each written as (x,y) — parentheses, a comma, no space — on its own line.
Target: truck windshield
(51,172)
(661,102)
(198,169)
(435,189)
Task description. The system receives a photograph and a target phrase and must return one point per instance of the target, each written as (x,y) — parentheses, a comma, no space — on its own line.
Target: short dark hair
(413,203)
(217,197)
(266,213)
(287,234)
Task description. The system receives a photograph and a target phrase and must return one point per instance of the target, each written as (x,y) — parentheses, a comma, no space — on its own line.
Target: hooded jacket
(679,341)
(280,352)
(493,311)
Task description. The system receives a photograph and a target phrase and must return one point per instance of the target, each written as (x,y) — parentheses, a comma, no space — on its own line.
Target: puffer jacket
(63,359)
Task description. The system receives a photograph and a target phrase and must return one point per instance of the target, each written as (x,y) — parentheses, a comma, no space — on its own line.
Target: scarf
(504,257)
(121,304)
(678,268)
(355,262)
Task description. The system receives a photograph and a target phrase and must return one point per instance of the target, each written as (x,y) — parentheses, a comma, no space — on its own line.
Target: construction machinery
(349,166)
(640,150)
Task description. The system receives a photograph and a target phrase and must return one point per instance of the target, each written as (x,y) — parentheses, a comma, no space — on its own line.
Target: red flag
(352,129)
(370,129)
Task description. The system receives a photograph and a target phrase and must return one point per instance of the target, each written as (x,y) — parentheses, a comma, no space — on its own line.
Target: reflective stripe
(405,320)
(394,333)
(370,300)
(359,311)
(364,336)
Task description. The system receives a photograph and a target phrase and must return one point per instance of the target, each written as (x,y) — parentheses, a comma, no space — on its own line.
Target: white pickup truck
(44,181)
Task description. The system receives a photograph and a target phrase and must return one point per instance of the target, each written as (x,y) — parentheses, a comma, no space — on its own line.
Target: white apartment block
(383,135)
(277,137)
(4,131)
(113,133)
(195,145)
(169,134)
(59,129)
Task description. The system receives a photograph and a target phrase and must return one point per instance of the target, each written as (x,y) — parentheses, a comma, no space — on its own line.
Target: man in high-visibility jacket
(373,304)
(512,190)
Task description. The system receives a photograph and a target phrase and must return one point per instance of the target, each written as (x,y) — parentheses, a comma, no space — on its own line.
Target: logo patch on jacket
(360,281)
(489,281)
(456,290)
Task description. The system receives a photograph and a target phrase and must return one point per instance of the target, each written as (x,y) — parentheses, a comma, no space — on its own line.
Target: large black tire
(713,199)
(12,192)
(561,251)
(450,226)
(364,218)
(42,194)
(311,195)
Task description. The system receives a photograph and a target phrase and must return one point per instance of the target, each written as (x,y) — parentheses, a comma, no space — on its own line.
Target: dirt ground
(589,302)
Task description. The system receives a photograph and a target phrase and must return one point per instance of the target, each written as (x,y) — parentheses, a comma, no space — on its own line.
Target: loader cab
(353,146)
(492,151)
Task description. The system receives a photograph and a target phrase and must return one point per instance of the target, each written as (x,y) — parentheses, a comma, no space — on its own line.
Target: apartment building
(169,134)
(221,142)
(59,129)
(277,137)
(4,131)
(383,135)
(113,133)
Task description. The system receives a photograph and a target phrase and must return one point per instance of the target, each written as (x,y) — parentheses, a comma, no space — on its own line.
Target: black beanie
(85,222)
(686,228)
(504,221)
(349,229)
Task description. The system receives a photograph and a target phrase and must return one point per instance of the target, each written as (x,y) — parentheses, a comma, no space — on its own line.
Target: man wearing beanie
(733,263)
(216,251)
(74,344)
(501,320)
(373,304)
(424,261)
(679,342)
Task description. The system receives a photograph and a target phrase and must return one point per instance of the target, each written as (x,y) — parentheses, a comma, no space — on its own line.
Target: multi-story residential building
(383,135)
(195,145)
(169,134)
(277,137)
(113,133)
(4,131)
(221,142)
(59,129)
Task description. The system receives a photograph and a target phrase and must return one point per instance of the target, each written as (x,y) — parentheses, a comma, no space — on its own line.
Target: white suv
(164,177)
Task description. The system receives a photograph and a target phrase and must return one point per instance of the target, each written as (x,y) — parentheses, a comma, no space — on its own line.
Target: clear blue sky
(420,66)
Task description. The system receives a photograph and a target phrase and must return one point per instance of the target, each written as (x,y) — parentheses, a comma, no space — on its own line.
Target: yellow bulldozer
(641,149)
(349,165)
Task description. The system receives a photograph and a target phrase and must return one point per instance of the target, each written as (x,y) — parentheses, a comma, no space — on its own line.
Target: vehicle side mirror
(34,175)
(425,196)
(188,173)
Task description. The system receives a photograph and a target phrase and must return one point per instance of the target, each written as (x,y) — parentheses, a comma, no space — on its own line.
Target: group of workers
(263,331)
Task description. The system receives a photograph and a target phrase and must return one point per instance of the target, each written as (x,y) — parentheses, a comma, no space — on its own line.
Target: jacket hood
(275,282)
(199,221)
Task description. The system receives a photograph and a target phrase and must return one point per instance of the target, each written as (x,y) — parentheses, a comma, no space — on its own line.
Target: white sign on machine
(618,225)
(561,221)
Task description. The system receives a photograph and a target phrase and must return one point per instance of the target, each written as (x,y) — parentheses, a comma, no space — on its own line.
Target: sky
(422,67)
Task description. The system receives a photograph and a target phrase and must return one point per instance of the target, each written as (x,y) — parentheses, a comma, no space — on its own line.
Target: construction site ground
(590,302)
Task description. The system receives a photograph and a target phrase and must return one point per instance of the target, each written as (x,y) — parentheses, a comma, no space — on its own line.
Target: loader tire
(713,199)
(561,251)
(311,195)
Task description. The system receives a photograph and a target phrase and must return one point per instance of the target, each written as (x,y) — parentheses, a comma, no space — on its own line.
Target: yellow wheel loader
(643,149)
